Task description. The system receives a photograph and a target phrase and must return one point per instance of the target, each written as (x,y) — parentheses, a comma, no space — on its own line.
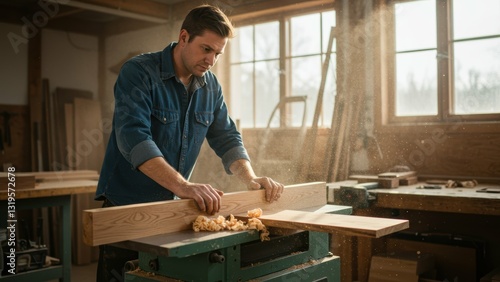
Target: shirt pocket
(165,127)
(203,122)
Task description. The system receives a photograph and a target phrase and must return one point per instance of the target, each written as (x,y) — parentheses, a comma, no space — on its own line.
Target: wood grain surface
(115,224)
(50,189)
(346,224)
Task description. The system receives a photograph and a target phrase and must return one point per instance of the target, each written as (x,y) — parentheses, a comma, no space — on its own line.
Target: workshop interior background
(374,84)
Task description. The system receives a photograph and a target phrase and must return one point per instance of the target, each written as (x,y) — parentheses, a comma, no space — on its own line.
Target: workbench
(443,210)
(48,194)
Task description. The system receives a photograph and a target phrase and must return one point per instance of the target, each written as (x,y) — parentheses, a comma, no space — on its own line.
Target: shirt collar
(167,67)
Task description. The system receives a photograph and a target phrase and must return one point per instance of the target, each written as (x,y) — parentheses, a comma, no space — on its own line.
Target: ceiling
(108,17)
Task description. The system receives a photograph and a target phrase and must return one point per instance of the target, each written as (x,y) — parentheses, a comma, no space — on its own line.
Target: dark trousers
(110,267)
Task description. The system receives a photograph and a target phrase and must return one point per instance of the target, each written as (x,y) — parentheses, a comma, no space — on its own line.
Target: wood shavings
(255,212)
(457,183)
(220,223)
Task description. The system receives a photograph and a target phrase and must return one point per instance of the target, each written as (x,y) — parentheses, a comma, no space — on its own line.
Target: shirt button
(206,121)
(164,119)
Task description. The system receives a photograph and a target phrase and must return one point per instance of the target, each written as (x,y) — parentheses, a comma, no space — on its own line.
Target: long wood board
(346,224)
(116,224)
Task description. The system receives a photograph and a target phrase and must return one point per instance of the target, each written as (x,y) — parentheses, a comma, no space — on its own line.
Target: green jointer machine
(234,256)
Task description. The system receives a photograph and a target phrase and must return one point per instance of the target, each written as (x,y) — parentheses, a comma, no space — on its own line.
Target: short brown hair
(207,17)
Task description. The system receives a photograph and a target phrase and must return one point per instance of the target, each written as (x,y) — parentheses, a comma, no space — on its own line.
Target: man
(166,104)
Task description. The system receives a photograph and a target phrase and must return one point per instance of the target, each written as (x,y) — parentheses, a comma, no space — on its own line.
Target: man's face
(201,54)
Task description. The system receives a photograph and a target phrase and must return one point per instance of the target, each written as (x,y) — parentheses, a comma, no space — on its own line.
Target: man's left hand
(273,188)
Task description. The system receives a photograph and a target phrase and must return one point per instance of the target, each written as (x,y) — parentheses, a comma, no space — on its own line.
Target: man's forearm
(164,174)
(243,170)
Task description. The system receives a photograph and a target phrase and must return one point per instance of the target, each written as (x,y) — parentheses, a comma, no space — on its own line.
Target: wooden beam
(246,10)
(140,7)
(116,224)
(35,95)
(361,226)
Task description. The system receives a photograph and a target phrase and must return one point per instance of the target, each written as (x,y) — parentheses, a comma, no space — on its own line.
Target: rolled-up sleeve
(236,153)
(144,151)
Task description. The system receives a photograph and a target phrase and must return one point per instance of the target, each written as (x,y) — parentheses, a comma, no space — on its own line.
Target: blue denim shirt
(156,116)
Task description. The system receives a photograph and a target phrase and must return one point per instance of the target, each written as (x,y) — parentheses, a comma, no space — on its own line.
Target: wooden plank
(34,93)
(46,130)
(383,182)
(70,132)
(408,181)
(48,176)
(52,189)
(21,181)
(398,175)
(115,224)
(61,97)
(88,151)
(347,224)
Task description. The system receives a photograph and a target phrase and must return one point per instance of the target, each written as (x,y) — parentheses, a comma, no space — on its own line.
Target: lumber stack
(388,179)
(67,132)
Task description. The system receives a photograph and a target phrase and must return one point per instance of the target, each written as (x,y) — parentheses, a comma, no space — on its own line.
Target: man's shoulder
(146,58)
(148,62)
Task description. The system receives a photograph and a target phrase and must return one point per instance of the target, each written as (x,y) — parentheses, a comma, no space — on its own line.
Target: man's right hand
(208,198)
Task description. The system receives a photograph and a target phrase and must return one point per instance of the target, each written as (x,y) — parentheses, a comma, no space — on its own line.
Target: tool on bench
(489,190)
(429,187)
(357,196)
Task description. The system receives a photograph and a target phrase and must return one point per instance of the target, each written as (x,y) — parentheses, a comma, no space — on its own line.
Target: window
(439,79)
(281,58)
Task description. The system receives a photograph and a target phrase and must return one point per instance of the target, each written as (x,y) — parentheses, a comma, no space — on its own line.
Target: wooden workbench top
(54,188)
(456,200)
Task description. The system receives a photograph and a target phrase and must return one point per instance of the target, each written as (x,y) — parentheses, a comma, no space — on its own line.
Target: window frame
(285,85)
(445,80)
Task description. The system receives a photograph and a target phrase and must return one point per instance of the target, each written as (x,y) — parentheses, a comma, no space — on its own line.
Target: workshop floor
(82,273)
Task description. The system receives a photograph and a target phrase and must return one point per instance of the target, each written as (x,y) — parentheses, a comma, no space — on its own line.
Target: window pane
(266,90)
(306,33)
(416,87)
(477,77)
(415,25)
(267,41)
(306,78)
(242,93)
(242,45)
(472,18)
(328,21)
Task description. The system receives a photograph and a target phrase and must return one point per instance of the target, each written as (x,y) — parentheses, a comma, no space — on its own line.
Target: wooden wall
(465,154)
